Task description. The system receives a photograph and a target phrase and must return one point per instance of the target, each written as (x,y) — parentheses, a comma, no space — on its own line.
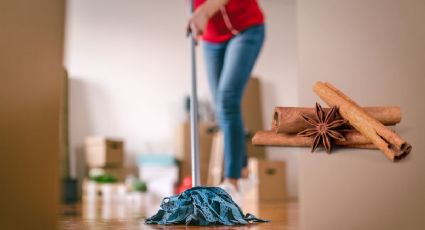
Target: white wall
(129,70)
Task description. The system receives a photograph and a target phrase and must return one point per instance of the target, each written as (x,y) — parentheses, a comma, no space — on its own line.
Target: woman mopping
(233,34)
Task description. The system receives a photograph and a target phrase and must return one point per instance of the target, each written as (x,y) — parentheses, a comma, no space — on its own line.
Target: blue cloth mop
(202,206)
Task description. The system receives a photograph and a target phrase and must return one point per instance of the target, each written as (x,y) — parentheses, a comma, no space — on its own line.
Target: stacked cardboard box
(106,154)
(183,150)
(252,115)
(269,184)
(270,181)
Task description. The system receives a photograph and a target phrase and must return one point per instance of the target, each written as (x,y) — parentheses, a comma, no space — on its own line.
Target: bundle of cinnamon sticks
(365,127)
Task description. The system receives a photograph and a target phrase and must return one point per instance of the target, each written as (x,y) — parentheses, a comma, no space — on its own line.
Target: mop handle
(196,180)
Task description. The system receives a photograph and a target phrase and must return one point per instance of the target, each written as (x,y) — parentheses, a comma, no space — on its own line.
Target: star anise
(323,128)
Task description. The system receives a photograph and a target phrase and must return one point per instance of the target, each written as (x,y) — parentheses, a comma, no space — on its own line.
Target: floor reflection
(131,213)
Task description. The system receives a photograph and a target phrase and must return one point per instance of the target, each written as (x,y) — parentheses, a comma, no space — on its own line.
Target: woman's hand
(197,23)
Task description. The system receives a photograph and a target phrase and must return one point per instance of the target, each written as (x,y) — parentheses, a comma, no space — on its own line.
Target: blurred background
(128,66)
(94,112)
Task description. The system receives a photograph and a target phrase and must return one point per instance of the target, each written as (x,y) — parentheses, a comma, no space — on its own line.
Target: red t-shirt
(234,17)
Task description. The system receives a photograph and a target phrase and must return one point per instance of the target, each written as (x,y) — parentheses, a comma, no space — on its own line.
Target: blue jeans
(229,65)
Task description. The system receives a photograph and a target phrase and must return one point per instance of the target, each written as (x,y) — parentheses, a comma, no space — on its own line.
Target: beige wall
(129,66)
(375,52)
(31,39)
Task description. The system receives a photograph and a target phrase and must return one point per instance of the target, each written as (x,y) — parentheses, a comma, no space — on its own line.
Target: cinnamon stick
(353,139)
(289,120)
(391,144)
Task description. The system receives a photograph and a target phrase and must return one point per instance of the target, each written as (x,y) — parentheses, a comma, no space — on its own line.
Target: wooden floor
(93,216)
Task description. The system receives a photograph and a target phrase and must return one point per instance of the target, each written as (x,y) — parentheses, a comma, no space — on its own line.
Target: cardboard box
(215,169)
(183,149)
(103,152)
(253,120)
(31,90)
(271,179)
(252,115)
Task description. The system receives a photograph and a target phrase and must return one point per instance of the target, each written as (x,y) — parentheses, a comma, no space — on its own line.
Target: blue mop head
(201,206)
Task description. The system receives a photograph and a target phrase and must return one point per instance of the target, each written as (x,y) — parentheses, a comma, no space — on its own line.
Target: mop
(199,205)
